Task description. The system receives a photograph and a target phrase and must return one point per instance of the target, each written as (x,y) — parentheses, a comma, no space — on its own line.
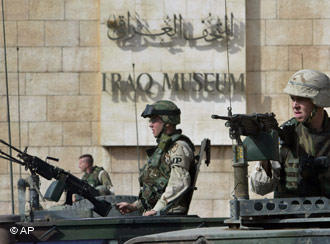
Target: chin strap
(308,120)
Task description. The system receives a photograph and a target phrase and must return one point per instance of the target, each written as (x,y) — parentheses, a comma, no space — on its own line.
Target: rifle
(73,184)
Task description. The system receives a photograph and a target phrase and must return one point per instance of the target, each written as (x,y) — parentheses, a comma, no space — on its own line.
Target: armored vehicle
(284,220)
(92,220)
(279,220)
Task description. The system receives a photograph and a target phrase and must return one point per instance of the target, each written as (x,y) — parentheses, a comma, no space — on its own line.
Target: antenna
(19,110)
(136,120)
(227,54)
(8,109)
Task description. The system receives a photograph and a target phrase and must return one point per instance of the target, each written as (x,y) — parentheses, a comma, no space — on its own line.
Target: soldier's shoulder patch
(174,148)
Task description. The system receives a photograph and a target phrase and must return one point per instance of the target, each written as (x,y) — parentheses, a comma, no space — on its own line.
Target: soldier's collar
(326,122)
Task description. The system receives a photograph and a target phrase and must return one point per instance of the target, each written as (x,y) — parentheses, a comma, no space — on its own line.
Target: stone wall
(56,73)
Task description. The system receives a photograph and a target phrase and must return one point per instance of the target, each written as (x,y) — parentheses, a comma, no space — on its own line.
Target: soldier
(165,176)
(94,175)
(303,169)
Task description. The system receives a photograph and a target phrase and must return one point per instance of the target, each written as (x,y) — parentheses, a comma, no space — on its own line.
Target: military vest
(296,181)
(93,178)
(155,173)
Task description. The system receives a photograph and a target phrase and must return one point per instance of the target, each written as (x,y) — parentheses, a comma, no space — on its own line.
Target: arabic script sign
(125,28)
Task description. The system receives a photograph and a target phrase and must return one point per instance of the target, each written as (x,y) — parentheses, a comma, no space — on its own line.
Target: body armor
(156,172)
(93,178)
(297,179)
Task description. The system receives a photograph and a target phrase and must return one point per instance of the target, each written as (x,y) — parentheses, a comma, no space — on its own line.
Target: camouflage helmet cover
(310,84)
(166,110)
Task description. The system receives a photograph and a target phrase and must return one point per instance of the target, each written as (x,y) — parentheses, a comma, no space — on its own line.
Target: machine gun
(64,179)
(248,125)
(261,143)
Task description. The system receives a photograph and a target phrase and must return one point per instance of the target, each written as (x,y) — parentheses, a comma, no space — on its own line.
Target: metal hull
(114,229)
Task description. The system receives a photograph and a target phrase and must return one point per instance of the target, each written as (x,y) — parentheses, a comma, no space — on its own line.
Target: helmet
(167,111)
(310,84)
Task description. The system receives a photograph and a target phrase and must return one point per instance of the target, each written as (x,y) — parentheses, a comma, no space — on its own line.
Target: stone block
(253,59)
(273,58)
(289,32)
(46,10)
(89,33)
(62,33)
(307,9)
(266,9)
(122,183)
(68,158)
(4,164)
(193,60)
(172,7)
(11,34)
(13,105)
(125,159)
(11,60)
(255,82)
(255,34)
(16,84)
(321,29)
(30,33)
(6,207)
(96,133)
(201,9)
(19,133)
(220,183)
(311,57)
(221,159)
(45,134)
(80,59)
(110,61)
(52,84)
(5,187)
(82,9)
(172,62)
(202,208)
(40,59)
(117,7)
(72,108)
(77,133)
(221,208)
(276,82)
(90,83)
(16,10)
(149,9)
(33,108)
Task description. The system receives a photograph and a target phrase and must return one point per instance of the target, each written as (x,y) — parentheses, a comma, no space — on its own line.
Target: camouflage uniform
(303,169)
(166,175)
(99,179)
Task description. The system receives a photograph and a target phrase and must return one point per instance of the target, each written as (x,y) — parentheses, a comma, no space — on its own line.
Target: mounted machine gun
(64,180)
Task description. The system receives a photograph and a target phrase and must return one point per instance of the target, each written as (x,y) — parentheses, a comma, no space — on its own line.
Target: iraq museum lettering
(192,54)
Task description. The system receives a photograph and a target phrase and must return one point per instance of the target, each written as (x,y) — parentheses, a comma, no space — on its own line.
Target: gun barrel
(8,145)
(214,116)
(10,158)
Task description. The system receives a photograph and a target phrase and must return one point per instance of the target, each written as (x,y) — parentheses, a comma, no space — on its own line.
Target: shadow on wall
(255,100)
(175,37)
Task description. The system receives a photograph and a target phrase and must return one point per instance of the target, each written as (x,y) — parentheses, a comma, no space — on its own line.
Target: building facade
(79,77)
